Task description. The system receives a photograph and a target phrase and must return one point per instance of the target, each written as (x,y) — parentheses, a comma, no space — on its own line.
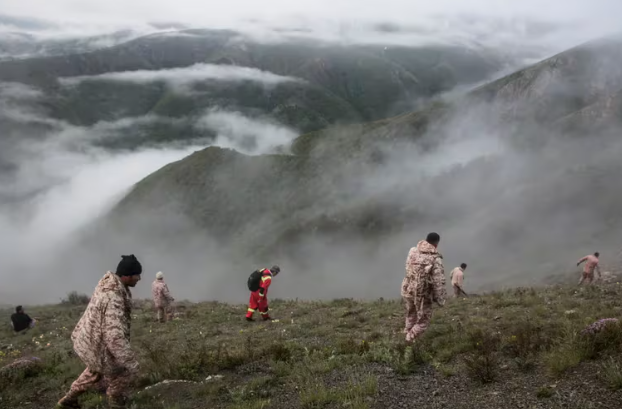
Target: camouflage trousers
(417,317)
(587,277)
(162,313)
(116,386)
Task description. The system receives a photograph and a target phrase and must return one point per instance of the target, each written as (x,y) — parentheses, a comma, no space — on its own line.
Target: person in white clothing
(457,279)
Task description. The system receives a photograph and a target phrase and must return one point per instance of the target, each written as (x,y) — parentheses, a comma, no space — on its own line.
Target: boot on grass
(68,404)
(69,401)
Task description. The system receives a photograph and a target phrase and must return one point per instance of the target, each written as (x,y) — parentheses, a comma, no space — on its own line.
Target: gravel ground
(578,389)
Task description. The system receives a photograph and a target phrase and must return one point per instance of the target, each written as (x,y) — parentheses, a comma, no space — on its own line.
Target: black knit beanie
(129,266)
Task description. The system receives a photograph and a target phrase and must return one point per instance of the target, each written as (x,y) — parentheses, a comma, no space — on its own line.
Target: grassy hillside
(519,348)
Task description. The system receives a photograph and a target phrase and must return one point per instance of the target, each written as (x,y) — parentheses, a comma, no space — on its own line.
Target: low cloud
(20,42)
(19,102)
(247,135)
(12,91)
(61,181)
(186,76)
(529,25)
(74,189)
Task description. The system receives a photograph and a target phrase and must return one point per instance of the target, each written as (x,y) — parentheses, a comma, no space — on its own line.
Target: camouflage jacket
(425,275)
(101,338)
(591,264)
(161,294)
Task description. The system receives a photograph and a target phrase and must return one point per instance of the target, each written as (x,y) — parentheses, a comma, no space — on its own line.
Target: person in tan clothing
(162,298)
(101,338)
(423,285)
(457,279)
(591,264)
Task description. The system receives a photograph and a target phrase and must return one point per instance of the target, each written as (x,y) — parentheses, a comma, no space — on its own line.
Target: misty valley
(209,152)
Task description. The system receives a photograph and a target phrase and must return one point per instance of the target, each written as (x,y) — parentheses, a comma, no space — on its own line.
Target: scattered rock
(609,277)
(171,381)
(167,382)
(21,368)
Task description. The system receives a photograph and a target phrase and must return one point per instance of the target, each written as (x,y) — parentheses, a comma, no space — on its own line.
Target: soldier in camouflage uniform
(102,337)
(423,285)
(591,265)
(162,298)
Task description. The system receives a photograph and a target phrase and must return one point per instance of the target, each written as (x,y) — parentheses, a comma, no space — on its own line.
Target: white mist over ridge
(548,27)
(58,179)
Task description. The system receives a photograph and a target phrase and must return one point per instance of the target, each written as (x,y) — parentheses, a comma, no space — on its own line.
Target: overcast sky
(576,20)
(201,12)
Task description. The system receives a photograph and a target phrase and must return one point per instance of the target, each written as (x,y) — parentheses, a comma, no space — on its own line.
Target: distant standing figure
(101,338)
(591,264)
(161,297)
(21,321)
(423,285)
(259,282)
(457,279)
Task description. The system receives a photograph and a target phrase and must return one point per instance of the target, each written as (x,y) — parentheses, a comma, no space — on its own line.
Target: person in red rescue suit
(259,298)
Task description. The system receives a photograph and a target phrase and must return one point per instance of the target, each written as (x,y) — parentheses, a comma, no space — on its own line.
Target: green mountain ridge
(353,182)
(341,84)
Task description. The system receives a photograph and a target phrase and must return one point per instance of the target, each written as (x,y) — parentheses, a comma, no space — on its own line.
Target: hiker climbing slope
(101,338)
(258,283)
(423,285)
(457,279)
(591,264)
(162,298)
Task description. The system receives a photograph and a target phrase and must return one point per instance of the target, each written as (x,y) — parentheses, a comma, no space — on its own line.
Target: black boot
(70,401)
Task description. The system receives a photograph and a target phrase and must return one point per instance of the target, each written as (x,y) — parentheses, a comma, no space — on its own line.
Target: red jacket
(266,280)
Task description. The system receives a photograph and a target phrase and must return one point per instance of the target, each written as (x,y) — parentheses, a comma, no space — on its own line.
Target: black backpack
(254,280)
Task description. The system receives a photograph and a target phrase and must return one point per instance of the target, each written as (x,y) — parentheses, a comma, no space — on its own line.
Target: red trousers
(257,302)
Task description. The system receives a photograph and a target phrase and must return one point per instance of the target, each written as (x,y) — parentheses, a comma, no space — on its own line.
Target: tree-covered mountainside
(544,191)
(335,83)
